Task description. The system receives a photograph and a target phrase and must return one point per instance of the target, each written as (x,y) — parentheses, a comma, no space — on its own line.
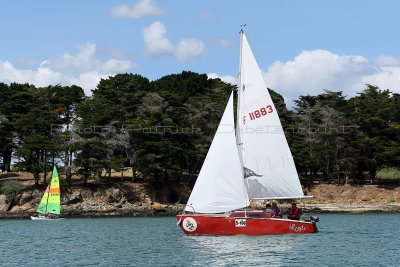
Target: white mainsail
(220,185)
(268,164)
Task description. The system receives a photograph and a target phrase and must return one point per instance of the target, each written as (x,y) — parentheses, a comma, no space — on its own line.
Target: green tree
(378,143)
(103,122)
(34,124)
(328,132)
(63,101)
(7,131)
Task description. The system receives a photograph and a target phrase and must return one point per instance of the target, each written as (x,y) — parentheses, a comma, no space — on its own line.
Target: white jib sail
(220,185)
(268,163)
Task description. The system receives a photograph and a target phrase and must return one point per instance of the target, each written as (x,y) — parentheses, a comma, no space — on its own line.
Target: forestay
(220,185)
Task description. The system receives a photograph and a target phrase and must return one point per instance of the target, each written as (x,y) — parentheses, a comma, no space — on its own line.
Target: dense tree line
(162,129)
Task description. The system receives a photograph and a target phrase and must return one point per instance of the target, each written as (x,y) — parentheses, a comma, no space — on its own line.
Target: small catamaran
(50,207)
(253,164)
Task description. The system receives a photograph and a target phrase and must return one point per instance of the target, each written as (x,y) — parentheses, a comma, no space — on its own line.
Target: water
(344,240)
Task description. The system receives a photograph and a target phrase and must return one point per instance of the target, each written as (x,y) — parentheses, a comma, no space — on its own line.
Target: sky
(302,47)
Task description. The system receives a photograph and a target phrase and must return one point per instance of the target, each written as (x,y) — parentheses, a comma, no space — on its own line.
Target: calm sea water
(344,240)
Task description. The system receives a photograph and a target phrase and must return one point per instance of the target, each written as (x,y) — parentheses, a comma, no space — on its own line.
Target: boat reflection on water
(271,250)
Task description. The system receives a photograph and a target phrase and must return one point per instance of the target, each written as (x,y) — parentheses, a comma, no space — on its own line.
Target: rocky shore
(133,199)
(94,201)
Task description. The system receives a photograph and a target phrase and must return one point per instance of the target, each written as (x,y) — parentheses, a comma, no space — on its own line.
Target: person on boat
(269,211)
(277,211)
(268,208)
(294,212)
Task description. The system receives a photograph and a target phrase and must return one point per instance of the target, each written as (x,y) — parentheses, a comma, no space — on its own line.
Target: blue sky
(302,47)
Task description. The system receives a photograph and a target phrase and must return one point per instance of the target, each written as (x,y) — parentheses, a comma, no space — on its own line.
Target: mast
(239,142)
(239,90)
(48,196)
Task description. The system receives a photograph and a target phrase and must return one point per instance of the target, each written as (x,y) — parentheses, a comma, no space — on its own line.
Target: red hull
(212,224)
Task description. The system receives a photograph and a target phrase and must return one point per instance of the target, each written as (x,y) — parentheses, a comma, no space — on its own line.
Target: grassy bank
(389,174)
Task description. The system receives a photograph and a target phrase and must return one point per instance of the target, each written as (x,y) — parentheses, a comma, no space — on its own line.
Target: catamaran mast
(48,196)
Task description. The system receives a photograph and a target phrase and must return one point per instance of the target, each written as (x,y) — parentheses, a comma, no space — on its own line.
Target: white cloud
(89,80)
(226,78)
(385,78)
(313,71)
(157,44)
(387,61)
(156,41)
(85,61)
(143,8)
(188,49)
(45,76)
(224,43)
(83,69)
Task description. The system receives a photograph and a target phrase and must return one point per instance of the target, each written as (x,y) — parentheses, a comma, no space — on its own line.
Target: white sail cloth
(263,148)
(220,185)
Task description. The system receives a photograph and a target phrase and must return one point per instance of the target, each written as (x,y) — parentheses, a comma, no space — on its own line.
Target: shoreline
(173,210)
(351,208)
(138,199)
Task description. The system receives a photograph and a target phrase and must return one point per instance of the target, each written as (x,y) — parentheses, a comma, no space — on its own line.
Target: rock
(110,199)
(25,197)
(73,198)
(113,196)
(87,194)
(158,207)
(123,201)
(117,193)
(85,207)
(27,207)
(36,193)
(3,203)
(36,196)
(132,196)
(147,200)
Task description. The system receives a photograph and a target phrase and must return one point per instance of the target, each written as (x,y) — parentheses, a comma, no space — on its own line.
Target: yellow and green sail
(50,202)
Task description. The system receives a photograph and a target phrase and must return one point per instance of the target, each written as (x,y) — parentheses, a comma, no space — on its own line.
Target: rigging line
(210,134)
(48,196)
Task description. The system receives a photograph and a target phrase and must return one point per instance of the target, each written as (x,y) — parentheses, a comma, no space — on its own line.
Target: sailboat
(50,207)
(251,162)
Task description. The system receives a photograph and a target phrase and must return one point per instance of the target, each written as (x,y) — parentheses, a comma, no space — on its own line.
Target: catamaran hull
(42,218)
(210,224)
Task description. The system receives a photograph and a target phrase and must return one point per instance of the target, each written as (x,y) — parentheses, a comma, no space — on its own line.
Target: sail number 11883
(260,112)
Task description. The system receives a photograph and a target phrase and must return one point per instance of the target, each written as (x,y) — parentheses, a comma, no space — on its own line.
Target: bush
(11,189)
